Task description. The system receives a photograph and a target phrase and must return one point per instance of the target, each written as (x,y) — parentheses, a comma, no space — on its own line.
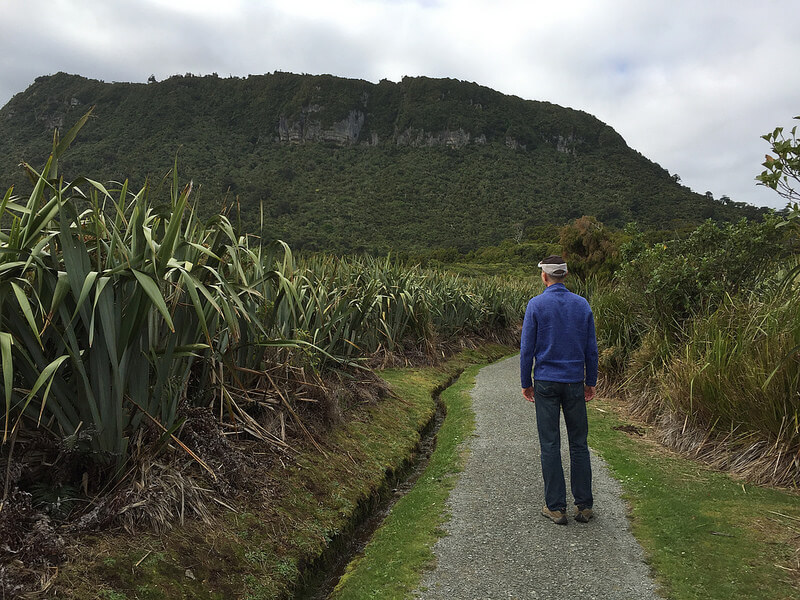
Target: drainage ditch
(321,576)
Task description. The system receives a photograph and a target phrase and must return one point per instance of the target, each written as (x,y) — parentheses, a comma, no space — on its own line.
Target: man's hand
(589,392)
(527,393)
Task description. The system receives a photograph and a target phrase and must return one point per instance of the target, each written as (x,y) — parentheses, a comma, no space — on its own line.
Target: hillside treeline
(343,165)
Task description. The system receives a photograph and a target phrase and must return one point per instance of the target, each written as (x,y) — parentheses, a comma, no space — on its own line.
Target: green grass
(258,552)
(393,561)
(705,534)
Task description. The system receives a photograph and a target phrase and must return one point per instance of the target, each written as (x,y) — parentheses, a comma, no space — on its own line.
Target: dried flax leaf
(297,418)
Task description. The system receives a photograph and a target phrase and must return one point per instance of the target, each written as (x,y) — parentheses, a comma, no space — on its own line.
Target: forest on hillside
(326,163)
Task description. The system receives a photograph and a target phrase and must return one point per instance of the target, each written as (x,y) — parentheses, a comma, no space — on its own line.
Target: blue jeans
(551,398)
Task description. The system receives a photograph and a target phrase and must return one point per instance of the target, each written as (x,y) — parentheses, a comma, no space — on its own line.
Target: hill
(347,165)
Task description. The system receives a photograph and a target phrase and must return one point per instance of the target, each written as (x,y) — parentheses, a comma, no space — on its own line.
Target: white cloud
(690,84)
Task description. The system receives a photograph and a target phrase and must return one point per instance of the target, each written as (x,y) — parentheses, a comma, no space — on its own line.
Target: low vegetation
(706,534)
(701,335)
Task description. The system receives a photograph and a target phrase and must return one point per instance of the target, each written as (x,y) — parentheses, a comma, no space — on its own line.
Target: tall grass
(355,307)
(737,379)
(107,302)
(723,383)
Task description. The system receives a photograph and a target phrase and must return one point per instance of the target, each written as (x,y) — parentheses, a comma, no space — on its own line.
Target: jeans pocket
(545,388)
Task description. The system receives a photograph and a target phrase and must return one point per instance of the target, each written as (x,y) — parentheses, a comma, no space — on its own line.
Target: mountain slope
(345,165)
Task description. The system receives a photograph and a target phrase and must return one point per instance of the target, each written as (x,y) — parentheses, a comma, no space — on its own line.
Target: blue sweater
(558,331)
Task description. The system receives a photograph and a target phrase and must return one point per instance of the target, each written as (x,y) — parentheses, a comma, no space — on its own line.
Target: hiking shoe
(582,515)
(559,517)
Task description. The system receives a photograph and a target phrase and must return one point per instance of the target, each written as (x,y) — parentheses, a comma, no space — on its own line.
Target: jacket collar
(556,287)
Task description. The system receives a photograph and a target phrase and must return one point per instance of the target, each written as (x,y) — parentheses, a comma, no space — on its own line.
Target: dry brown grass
(741,453)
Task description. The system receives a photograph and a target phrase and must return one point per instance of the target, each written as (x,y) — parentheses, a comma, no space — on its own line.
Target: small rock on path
(499,546)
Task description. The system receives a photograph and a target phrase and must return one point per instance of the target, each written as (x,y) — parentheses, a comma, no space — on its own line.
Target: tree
(782,172)
(589,248)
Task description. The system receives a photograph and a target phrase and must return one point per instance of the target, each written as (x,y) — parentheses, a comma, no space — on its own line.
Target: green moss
(392,563)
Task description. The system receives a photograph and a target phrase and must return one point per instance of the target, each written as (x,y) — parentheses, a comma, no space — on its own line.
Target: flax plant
(115,311)
(107,303)
(355,307)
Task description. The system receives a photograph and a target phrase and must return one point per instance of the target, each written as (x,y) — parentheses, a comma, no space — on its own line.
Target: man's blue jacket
(558,331)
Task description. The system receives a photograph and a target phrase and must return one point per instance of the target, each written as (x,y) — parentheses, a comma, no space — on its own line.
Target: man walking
(558,331)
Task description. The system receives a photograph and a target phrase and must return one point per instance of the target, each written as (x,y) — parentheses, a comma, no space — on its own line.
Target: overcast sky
(691,84)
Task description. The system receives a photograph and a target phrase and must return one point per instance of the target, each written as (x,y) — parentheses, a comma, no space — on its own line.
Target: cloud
(690,84)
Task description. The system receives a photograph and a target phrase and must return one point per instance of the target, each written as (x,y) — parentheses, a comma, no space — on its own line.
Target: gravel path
(499,546)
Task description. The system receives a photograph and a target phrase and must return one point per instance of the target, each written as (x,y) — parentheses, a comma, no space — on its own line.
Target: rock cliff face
(420,113)
(308,129)
(567,144)
(453,139)
(348,132)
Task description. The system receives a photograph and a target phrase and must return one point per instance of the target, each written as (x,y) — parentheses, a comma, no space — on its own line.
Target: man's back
(559,332)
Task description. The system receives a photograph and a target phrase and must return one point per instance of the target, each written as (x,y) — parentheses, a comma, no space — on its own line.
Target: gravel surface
(498,544)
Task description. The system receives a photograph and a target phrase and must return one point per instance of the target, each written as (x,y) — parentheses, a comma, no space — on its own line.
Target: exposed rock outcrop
(419,137)
(343,132)
(567,144)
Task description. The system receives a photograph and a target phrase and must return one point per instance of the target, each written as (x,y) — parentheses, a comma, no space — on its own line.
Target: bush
(681,278)
(589,248)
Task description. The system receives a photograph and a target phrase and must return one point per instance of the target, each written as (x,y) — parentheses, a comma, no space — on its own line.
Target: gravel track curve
(499,546)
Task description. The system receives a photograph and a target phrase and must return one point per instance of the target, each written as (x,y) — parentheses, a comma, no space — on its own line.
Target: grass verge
(706,535)
(259,551)
(392,563)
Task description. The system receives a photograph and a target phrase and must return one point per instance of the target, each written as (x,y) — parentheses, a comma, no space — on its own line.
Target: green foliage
(589,248)
(782,171)
(736,373)
(108,303)
(115,310)
(355,307)
(680,278)
(435,163)
(703,330)
(619,324)
(705,337)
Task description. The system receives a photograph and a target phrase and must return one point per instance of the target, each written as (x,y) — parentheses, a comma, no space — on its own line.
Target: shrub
(678,279)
